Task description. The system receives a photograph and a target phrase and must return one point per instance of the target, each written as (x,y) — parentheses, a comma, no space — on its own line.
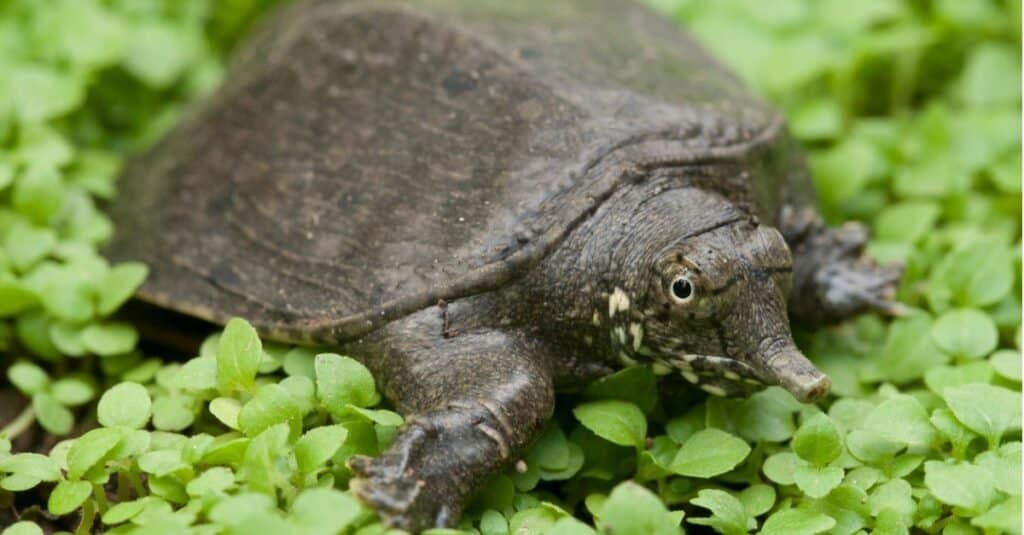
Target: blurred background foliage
(910,113)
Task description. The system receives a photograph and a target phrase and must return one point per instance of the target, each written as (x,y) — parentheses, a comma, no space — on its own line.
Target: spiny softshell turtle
(581,185)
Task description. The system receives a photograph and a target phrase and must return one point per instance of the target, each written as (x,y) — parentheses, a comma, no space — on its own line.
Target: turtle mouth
(726,376)
(718,375)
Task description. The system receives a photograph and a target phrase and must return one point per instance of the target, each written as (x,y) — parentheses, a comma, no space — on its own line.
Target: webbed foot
(436,461)
(834,279)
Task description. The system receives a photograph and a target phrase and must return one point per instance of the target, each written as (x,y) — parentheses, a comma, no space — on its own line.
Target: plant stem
(88,517)
(101,497)
(122,486)
(140,490)
(20,424)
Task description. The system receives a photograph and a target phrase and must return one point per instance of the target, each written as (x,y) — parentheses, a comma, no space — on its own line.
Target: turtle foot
(834,279)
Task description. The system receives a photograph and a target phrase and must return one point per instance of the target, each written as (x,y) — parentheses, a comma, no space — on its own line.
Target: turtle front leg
(833,279)
(473,401)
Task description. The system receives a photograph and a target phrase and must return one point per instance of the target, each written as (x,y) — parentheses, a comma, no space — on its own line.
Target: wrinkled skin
(581,198)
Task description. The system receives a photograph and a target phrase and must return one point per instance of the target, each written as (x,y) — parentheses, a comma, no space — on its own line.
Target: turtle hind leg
(473,402)
(833,278)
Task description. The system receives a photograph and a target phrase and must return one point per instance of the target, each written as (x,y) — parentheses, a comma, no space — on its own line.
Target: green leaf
(26,245)
(119,284)
(1005,517)
(1006,363)
(158,52)
(965,333)
(198,374)
(318,445)
(300,361)
(818,440)
(990,411)
(757,499)
(908,353)
(870,446)
(817,119)
(959,436)
(341,381)
(960,484)
(15,297)
(901,419)
(67,295)
(551,450)
(976,274)
(50,414)
(125,511)
(107,339)
(23,527)
(39,92)
(906,222)
(271,405)
(18,483)
(73,391)
(635,384)
(90,449)
(33,465)
(781,466)
(709,452)
(942,377)
(172,413)
(126,405)
(894,495)
(28,378)
(728,515)
(238,357)
(378,416)
(767,416)
(797,522)
(161,463)
(325,510)
(619,422)
(633,510)
(226,410)
(817,481)
(564,526)
(991,76)
(68,496)
(494,523)
(261,466)
(38,194)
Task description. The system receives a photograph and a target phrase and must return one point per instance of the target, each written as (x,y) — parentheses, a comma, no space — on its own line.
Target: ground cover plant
(910,110)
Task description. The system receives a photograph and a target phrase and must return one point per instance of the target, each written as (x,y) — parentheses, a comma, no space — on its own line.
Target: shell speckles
(620,335)
(637,332)
(714,390)
(661,369)
(618,301)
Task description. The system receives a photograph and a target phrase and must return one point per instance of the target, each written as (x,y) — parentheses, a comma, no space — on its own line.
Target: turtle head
(712,303)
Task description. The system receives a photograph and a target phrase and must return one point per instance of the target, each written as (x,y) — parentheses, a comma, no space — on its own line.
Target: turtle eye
(682,290)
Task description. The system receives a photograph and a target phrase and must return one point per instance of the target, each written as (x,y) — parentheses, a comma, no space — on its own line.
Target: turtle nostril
(790,369)
(814,390)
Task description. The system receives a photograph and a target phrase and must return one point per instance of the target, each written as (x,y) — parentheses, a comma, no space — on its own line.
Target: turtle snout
(788,367)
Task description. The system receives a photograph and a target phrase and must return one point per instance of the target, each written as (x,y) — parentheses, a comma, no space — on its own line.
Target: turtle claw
(849,287)
(394,488)
(834,278)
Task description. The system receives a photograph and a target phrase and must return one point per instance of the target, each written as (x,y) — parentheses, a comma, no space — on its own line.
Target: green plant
(910,111)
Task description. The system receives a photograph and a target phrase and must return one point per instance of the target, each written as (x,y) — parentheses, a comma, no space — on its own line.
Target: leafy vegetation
(910,110)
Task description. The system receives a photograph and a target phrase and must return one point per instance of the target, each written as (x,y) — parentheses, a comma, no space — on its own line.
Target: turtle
(486,202)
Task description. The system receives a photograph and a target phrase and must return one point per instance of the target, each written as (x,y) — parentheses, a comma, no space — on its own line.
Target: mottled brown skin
(580,183)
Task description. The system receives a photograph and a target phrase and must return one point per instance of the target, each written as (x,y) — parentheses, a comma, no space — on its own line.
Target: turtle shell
(365,159)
